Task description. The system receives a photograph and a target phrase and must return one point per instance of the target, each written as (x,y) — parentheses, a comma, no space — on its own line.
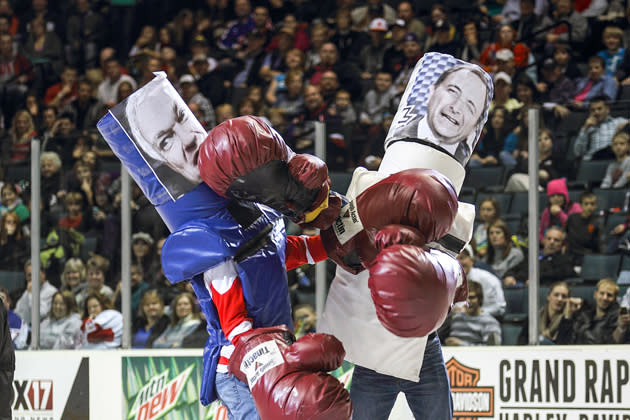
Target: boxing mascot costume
(232,248)
(396,281)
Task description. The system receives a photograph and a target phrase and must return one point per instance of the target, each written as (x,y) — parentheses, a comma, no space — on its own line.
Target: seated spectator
(78,215)
(518,180)
(505,40)
(595,136)
(586,324)
(585,230)
(612,38)
(102,326)
(62,330)
(19,328)
(575,31)
(44,48)
(554,264)
(61,94)
(444,42)
(555,90)
(378,100)
(138,287)
(493,298)
(10,201)
(394,57)
(46,292)
(304,319)
(551,315)
(73,277)
(502,254)
(190,93)
(294,60)
(14,246)
(489,212)
(346,71)
(502,92)
(96,272)
(497,141)
(408,19)
(184,320)
(472,326)
(348,40)
(291,100)
(564,57)
(559,207)
(63,139)
(343,107)
(108,89)
(596,84)
(371,55)
(16,75)
(16,147)
(151,322)
(275,60)
(618,172)
(51,182)
(85,107)
(621,335)
(255,94)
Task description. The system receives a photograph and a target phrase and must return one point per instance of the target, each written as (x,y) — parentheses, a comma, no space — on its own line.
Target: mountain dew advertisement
(168,388)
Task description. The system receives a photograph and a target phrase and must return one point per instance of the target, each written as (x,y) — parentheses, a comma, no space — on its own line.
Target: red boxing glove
(288,378)
(245,159)
(412,289)
(421,199)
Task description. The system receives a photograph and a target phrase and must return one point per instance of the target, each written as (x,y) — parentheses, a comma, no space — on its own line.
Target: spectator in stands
(554,264)
(10,201)
(45,50)
(618,172)
(347,72)
(563,55)
(17,326)
(502,93)
(319,35)
(190,93)
(444,43)
(328,86)
(86,108)
(518,180)
(621,335)
(14,245)
(236,32)
(413,53)
(78,214)
(62,329)
(551,316)
(250,61)
(471,46)
(555,90)
(614,52)
(343,107)
(489,212)
(596,84)
(394,56)
(83,38)
(493,298)
(348,40)
(102,326)
(151,322)
(363,15)
(16,75)
(502,253)
(46,291)
(108,89)
(138,287)
(594,138)
(473,326)
(406,13)
(184,320)
(16,147)
(63,138)
(497,142)
(559,207)
(585,230)
(275,60)
(505,40)
(294,60)
(73,277)
(438,12)
(304,319)
(593,325)
(559,32)
(371,55)
(291,101)
(225,112)
(97,268)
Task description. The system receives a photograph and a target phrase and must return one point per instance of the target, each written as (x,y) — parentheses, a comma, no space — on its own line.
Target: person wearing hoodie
(62,330)
(559,207)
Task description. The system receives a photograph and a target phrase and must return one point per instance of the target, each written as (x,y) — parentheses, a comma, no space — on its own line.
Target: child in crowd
(224,112)
(77,217)
(489,212)
(612,38)
(343,107)
(559,207)
(378,100)
(11,201)
(585,230)
(618,172)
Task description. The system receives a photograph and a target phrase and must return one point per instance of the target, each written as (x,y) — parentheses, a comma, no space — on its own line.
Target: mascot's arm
(304,249)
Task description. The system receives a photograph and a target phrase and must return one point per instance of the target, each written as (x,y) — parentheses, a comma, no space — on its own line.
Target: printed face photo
(165,132)
(455,106)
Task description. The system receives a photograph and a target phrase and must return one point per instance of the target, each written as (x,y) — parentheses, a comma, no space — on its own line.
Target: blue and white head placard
(157,138)
(445,105)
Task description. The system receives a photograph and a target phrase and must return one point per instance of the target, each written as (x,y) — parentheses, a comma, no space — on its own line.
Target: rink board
(504,383)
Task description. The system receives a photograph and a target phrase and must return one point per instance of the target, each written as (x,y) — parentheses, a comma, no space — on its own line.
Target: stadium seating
(12,280)
(597,266)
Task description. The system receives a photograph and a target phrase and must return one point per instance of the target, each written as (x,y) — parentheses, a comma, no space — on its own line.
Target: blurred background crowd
(64,63)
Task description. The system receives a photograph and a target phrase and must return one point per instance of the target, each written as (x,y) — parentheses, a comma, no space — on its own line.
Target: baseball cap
(503,76)
(411,37)
(378,24)
(504,55)
(143,236)
(186,78)
(399,22)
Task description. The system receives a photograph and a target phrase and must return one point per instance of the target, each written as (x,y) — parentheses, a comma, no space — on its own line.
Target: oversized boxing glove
(421,199)
(412,288)
(245,159)
(288,378)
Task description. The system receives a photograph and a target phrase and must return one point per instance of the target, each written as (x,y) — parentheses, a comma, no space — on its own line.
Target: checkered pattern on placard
(413,104)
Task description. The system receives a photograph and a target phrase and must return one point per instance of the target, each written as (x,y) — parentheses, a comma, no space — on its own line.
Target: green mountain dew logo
(158,397)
